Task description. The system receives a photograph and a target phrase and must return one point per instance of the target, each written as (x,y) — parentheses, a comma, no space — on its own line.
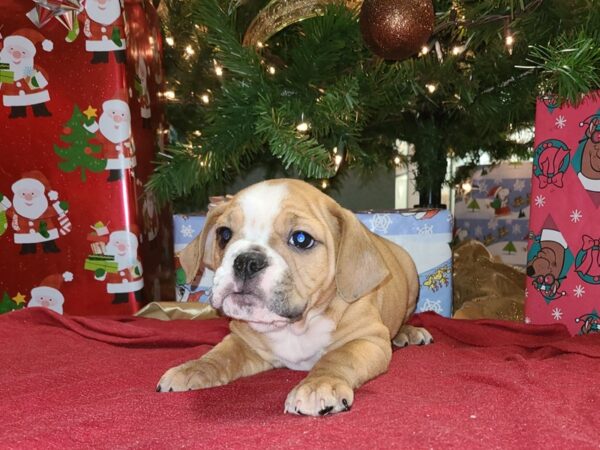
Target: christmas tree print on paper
(81,154)
(473,205)
(8,304)
(4,205)
(510,248)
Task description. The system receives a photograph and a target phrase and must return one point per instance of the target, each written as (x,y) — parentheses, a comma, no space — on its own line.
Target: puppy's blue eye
(301,240)
(224,235)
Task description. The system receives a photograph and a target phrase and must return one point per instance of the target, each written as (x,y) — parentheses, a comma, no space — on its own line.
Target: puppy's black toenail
(326,410)
(422,342)
(347,407)
(158,388)
(170,389)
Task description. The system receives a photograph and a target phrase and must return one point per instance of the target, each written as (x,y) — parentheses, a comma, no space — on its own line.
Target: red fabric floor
(89,383)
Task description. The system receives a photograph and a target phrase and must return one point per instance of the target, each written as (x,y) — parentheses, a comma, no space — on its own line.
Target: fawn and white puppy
(308,287)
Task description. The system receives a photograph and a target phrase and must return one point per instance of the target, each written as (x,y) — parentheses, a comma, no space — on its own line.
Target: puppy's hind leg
(409,335)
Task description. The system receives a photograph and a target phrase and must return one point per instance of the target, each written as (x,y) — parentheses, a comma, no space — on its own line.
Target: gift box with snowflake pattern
(80,125)
(495,211)
(563,262)
(425,234)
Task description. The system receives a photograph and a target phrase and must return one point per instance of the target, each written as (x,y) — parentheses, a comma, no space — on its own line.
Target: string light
(302,127)
(424,50)
(509,40)
(260,44)
(170,95)
(170,41)
(431,87)
(219,71)
(271,70)
(338,160)
(397,160)
(189,50)
(198,133)
(205,99)
(324,184)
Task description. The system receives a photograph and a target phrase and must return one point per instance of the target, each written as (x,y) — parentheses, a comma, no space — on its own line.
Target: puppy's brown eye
(301,240)
(224,235)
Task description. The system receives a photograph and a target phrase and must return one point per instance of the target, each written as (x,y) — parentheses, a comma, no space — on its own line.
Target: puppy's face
(275,249)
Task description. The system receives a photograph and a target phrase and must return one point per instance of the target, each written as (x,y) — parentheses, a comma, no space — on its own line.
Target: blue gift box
(424,233)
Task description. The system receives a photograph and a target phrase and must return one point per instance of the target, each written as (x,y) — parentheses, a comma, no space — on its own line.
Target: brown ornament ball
(396,29)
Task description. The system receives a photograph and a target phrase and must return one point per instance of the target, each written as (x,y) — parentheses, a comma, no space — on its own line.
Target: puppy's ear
(201,249)
(360,268)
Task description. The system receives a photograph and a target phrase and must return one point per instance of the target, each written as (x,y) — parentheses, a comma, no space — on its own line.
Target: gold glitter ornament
(396,29)
(280,14)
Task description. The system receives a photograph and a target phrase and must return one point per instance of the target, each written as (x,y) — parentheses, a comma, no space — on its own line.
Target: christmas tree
(473,205)
(312,98)
(81,154)
(509,248)
(7,304)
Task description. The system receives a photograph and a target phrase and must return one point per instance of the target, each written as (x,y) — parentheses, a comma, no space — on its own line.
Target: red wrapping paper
(80,124)
(563,263)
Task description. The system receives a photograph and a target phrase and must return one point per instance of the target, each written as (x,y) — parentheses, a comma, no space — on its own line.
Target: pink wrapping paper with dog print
(563,263)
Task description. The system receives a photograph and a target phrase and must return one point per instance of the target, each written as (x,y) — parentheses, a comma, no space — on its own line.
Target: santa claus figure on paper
(113,130)
(103,27)
(141,88)
(24,83)
(500,200)
(48,295)
(123,247)
(36,215)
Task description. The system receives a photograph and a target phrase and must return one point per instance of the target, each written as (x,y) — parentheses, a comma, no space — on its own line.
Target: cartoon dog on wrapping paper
(548,262)
(586,161)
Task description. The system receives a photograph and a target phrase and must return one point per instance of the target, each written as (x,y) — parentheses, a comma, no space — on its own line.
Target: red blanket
(89,382)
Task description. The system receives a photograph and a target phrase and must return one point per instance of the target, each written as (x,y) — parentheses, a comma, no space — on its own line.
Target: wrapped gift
(78,143)
(424,233)
(495,210)
(563,264)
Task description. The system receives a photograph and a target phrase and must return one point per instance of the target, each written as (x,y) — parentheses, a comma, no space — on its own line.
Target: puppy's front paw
(319,396)
(409,335)
(186,377)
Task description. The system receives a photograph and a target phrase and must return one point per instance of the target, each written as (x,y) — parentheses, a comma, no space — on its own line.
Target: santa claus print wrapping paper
(563,261)
(79,127)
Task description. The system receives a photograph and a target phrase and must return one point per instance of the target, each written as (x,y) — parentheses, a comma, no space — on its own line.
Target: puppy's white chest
(302,351)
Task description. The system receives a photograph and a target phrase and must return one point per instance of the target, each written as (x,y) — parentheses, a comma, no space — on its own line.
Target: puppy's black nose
(249,264)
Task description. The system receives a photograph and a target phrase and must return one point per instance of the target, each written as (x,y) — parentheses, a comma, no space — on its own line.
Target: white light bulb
(302,127)
(205,98)
(170,41)
(189,50)
(466,187)
(271,70)
(169,94)
(431,88)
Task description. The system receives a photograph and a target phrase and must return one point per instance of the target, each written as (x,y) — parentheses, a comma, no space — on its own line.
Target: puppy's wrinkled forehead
(261,204)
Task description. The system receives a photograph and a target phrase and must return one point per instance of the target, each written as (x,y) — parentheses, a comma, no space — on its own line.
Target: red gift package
(80,123)
(563,262)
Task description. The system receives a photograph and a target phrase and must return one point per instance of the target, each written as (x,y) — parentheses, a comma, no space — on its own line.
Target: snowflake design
(425,230)
(560,122)
(431,305)
(576,216)
(187,231)
(68,276)
(478,231)
(516,229)
(579,291)
(540,201)
(380,223)
(519,185)
(491,225)
(557,314)
(467,225)
(482,186)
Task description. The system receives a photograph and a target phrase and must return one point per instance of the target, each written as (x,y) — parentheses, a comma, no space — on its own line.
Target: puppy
(308,288)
